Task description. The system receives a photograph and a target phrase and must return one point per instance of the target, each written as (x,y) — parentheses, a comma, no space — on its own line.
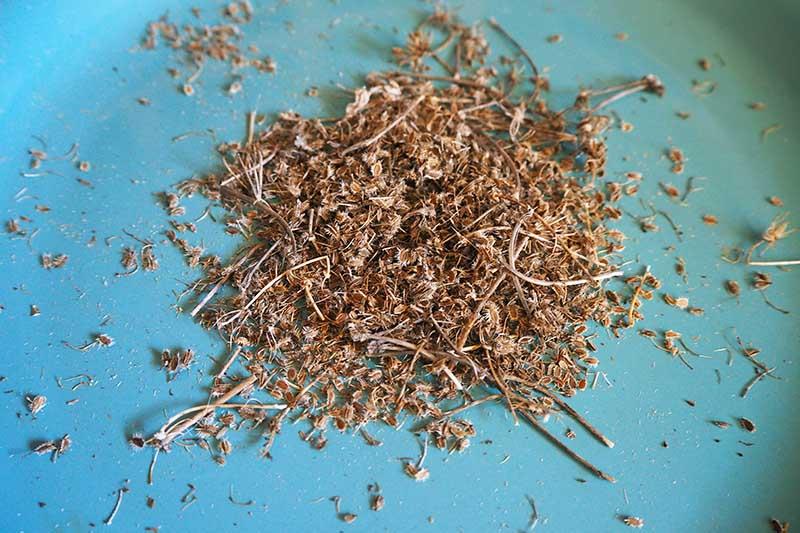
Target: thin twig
(772,305)
(251,127)
(152,467)
(758,377)
(792,262)
(576,415)
(534,519)
(229,362)
(115,510)
(563,447)
(164,437)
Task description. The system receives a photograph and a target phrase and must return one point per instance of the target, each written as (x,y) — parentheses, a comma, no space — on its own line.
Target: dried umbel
(441,239)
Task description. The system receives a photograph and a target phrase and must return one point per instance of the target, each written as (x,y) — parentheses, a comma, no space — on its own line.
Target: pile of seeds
(444,243)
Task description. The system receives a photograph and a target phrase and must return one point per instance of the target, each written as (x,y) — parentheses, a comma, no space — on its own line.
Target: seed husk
(633,521)
(747,425)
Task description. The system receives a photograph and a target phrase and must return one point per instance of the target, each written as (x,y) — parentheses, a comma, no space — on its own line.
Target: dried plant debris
(678,160)
(446,235)
(633,521)
(779,526)
(53,261)
(149,260)
(35,403)
(100,341)
(218,42)
(703,88)
(377,501)
(777,230)
(176,361)
(348,518)
(56,448)
(747,425)
(769,130)
(129,261)
(710,220)
(733,287)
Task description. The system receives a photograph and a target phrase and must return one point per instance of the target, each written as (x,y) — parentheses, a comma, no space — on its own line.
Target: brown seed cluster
(442,238)
(219,42)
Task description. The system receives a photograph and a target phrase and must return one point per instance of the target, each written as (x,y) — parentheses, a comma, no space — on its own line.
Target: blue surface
(70,73)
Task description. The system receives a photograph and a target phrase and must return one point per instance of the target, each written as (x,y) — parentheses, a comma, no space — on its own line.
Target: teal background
(70,72)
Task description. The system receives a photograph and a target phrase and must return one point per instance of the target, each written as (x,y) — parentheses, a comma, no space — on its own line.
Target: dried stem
(758,377)
(564,448)
(576,415)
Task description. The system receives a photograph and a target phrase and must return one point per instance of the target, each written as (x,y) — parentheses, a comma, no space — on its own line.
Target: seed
(671,190)
(721,424)
(419,474)
(348,518)
(704,64)
(84,166)
(136,441)
(747,425)
(633,521)
(680,303)
(235,88)
(761,280)
(36,403)
(555,38)
(732,287)
(377,502)
(104,340)
(711,220)
(774,200)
